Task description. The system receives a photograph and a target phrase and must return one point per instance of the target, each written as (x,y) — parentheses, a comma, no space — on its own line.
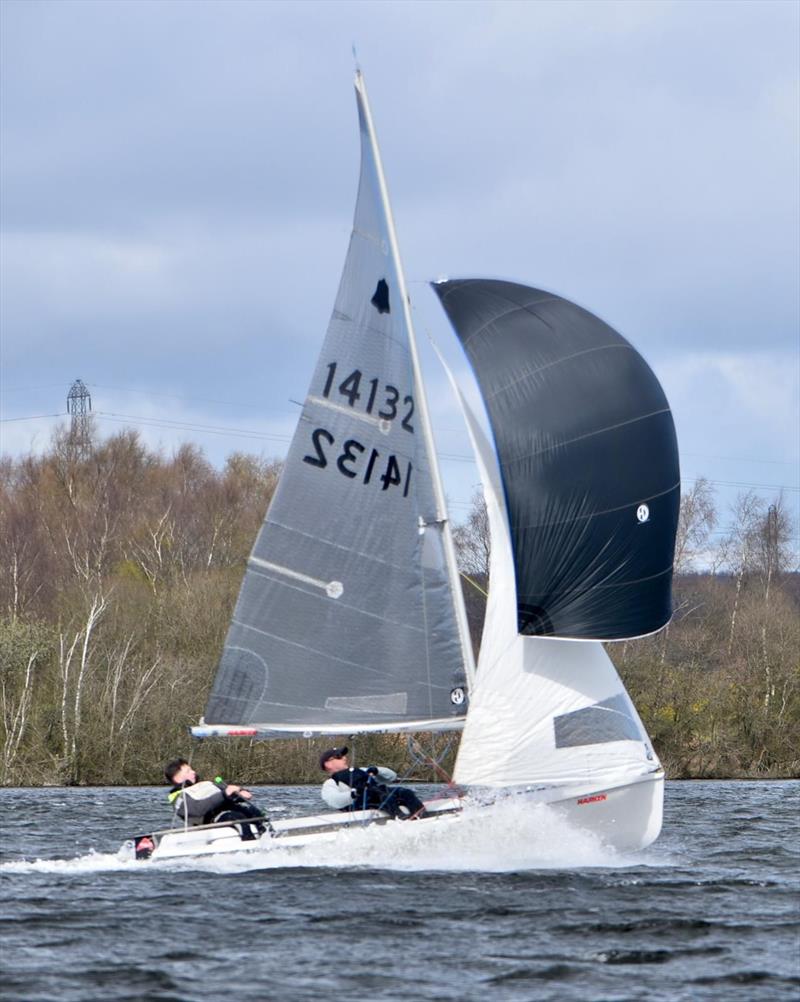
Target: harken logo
(598,798)
(643,513)
(457,696)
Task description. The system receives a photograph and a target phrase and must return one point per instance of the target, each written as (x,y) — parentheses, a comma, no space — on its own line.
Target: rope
(420,757)
(364,805)
(474,584)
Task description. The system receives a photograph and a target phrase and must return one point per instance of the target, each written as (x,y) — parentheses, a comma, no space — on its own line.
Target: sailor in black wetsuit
(201,802)
(362,789)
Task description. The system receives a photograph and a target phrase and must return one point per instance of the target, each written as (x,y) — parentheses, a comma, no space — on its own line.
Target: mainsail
(348,618)
(554,711)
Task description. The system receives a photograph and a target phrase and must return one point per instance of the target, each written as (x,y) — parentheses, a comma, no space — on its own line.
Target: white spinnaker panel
(538,706)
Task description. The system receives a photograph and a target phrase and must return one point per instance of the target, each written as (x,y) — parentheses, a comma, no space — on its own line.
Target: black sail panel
(588,456)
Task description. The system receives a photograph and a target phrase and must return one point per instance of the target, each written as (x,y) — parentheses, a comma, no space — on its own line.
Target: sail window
(380,299)
(609,720)
(391,703)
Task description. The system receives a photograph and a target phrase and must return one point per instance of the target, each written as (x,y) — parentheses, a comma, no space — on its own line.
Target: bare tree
(473,541)
(15,708)
(73,682)
(698,516)
(739,547)
(473,545)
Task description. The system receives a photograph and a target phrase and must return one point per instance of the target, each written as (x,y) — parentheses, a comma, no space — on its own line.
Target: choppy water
(521,908)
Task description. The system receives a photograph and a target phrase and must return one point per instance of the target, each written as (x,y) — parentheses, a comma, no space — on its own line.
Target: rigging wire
(420,757)
(32,417)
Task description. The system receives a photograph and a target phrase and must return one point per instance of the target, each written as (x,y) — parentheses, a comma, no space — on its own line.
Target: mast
(422,400)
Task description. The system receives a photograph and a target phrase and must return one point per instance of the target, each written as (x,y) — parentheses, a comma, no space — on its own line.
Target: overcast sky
(178,180)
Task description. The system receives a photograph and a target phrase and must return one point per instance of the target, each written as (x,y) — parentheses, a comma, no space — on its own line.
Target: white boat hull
(292,833)
(626,818)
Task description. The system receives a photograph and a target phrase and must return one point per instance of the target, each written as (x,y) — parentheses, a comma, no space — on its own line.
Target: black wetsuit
(370,793)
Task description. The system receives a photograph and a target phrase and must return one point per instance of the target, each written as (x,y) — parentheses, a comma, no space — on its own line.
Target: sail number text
(384,399)
(352,462)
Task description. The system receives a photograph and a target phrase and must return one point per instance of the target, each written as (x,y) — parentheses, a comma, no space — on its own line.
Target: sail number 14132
(352,461)
(385,398)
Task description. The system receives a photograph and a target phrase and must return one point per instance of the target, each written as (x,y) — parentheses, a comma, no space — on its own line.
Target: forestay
(347,619)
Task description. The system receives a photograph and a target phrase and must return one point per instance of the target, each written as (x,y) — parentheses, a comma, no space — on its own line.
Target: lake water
(521,908)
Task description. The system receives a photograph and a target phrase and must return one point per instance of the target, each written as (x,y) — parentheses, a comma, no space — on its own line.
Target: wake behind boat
(350,617)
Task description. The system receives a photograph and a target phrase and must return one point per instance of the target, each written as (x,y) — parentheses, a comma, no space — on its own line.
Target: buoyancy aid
(196,803)
(347,788)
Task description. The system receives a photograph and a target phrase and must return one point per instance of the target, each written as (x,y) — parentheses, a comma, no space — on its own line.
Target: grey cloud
(178,178)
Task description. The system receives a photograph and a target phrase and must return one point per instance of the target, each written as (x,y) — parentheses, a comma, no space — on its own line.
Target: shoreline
(409,779)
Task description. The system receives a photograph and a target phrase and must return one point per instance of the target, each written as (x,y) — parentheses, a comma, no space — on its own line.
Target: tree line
(120,567)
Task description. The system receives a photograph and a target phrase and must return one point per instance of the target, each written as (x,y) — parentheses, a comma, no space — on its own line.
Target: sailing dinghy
(350,617)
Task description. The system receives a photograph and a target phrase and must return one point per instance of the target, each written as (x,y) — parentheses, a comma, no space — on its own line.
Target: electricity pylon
(79,407)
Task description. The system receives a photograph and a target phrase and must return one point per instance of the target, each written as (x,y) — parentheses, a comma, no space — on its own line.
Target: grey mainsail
(348,618)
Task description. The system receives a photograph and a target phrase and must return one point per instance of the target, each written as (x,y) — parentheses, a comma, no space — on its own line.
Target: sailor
(201,802)
(348,789)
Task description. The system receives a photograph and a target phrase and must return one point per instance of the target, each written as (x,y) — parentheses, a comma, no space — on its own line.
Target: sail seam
(596,587)
(339,546)
(327,654)
(346,605)
(596,514)
(517,308)
(558,361)
(589,434)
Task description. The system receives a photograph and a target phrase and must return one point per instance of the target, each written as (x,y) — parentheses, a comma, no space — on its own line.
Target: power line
(32,417)
(740,459)
(193,426)
(32,389)
(739,483)
(178,396)
(178,425)
(241,403)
